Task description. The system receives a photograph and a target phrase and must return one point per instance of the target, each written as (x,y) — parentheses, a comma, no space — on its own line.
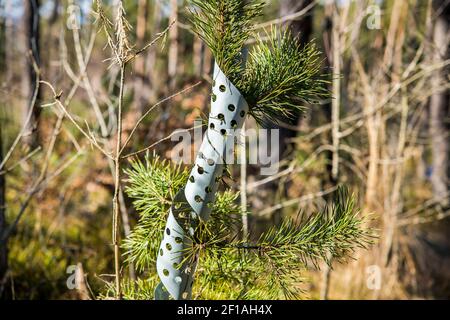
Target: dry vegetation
(82,98)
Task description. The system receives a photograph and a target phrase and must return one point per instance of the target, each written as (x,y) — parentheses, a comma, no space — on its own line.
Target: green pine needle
(153,184)
(280,76)
(276,260)
(225,26)
(230,268)
(335,232)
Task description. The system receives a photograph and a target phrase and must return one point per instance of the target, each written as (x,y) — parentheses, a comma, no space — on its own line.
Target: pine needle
(280,76)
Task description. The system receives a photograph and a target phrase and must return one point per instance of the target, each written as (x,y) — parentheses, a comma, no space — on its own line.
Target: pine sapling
(279,77)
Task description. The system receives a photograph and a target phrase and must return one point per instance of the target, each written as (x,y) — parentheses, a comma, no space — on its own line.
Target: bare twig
(21,160)
(57,98)
(290,17)
(151,43)
(31,107)
(152,108)
(159,141)
(87,83)
(295,201)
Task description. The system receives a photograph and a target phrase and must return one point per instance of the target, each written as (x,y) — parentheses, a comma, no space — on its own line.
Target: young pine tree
(188,227)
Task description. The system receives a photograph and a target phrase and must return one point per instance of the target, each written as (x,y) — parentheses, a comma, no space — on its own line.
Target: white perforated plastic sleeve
(194,202)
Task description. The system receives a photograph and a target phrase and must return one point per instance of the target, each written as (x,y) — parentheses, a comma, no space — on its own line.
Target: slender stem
(326,279)
(335,103)
(244,185)
(117,169)
(159,141)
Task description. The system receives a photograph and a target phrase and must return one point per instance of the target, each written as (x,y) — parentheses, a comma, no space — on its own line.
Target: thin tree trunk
(9,42)
(80,280)
(328,38)
(32,58)
(439,110)
(139,64)
(243,193)
(3,227)
(55,12)
(327,108)
(197,56)
(334,29)
(325,286)
(303,29)
(395,177)
(336,92)
(152,57)
(173,46)
(392,176)
(3,37)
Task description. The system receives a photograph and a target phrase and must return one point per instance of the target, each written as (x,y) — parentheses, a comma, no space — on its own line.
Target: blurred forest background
(384,134)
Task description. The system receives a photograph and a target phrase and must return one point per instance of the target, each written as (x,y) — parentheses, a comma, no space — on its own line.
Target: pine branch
(281,76)
(271,268)
(152,185)
(335,232)
(225,26)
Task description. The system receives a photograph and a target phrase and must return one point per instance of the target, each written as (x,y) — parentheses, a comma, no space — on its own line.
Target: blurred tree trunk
(197,56)
(302,27)
(151,69)
(9,42)
(332,46)
(377,182)
(55,12)
(439,106)
(328,36)
(32,59)
(50,41)
(3,243)
(393,180)
(140,82)
(173,46)
(334,42)
(3,37)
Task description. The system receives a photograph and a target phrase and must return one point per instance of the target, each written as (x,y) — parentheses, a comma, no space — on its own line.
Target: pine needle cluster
(225,26)
(279,76)
(271,267)
(153,184)
(229,267)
